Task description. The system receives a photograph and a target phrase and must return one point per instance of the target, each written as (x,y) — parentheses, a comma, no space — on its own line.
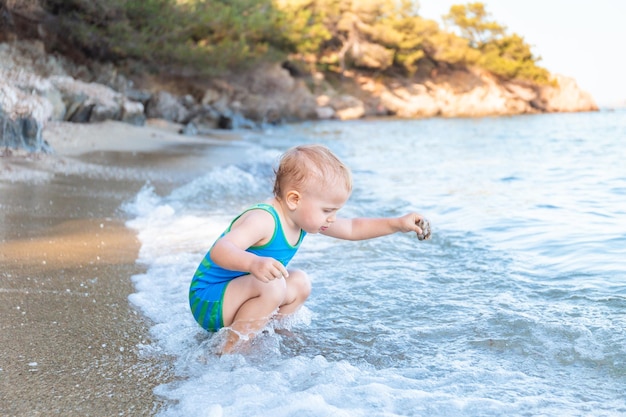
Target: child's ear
(293,199)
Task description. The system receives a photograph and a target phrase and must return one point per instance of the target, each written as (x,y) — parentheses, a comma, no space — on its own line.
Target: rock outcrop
(475,93)
(36,87)
(565,97)
(22,113)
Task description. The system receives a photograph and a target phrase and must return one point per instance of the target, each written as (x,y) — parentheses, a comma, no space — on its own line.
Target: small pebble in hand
(424,224)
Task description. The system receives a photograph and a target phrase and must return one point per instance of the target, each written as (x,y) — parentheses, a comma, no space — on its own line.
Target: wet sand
(71,343)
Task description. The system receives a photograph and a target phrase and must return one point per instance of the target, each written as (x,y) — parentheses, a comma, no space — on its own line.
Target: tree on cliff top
(505,55)
(471,19)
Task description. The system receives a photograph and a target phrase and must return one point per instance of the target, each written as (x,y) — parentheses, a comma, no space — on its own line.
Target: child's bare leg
(298,290)
(241,332)
(248,306)
(250,303)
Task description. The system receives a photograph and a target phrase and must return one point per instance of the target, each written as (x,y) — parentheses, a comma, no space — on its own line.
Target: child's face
(319,205)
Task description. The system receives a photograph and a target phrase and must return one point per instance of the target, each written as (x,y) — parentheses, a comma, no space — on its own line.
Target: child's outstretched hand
(417,223)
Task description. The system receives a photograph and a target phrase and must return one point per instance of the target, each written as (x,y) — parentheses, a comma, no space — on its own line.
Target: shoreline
(72,342)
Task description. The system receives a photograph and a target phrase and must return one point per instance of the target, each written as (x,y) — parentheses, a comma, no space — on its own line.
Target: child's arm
(253,228)
(368,228)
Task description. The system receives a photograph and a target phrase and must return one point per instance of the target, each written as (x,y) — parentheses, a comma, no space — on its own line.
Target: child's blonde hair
(302,163)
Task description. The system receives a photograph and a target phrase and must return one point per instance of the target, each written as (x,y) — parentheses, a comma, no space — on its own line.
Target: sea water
(517,306)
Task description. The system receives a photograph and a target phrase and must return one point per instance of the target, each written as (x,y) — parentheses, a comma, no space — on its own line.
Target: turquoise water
(517,306)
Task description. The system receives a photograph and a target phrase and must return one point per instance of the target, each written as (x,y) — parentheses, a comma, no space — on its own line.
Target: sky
(582,39)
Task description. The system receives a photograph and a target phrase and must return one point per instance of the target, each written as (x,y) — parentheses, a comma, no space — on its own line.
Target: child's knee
(301,281)
(275,291)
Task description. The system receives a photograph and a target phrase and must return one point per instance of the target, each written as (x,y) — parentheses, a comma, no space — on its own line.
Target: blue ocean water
(516,307)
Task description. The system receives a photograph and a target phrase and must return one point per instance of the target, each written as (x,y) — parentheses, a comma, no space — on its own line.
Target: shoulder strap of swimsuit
(260,206)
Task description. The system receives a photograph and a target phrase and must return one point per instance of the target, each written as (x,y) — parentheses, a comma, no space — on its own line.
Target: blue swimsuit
(206,292)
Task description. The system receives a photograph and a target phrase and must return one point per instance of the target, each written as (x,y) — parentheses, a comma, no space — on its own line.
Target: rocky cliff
(36,87)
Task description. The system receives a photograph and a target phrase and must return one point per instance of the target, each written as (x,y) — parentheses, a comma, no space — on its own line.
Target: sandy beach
(71,342)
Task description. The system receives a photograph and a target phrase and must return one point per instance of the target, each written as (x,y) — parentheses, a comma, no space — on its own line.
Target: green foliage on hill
(505,55)
(209,37)
(188,36)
